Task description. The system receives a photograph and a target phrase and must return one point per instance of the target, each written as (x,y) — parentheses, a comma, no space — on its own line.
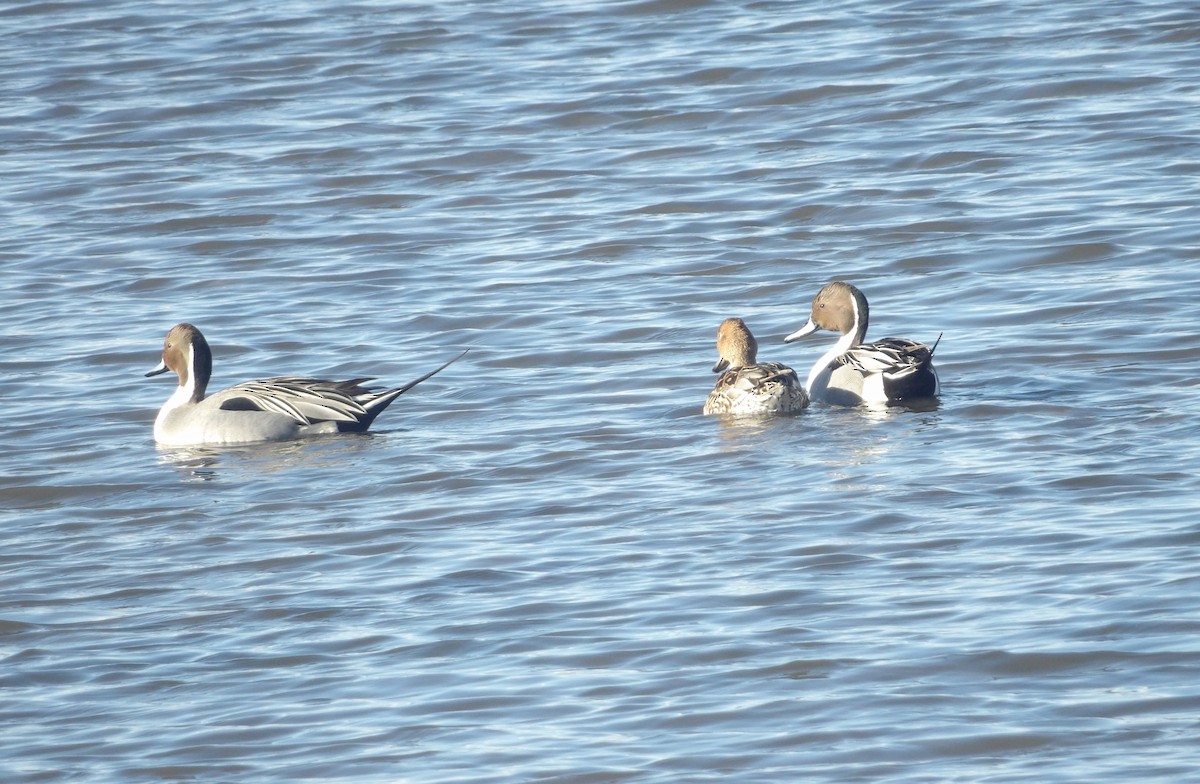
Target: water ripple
(545,564)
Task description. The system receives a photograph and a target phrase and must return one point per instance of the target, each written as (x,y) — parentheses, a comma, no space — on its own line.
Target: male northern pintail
(269,409)
(891,370)
(748,387)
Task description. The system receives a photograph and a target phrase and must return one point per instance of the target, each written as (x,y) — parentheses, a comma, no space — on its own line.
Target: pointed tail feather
(376,405)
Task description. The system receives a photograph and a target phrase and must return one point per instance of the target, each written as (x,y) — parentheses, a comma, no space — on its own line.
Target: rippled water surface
(545,564)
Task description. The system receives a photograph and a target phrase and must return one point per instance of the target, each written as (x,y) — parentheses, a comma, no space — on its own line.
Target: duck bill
(804,331)
(162,368)
(721,365)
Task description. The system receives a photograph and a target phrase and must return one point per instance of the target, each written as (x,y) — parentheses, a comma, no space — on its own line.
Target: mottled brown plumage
(748,387)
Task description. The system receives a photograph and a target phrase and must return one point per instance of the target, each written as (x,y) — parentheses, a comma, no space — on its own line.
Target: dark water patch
(546,563)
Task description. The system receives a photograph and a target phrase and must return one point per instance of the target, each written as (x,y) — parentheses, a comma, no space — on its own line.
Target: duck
(281,408)
(747,387)
(888,371)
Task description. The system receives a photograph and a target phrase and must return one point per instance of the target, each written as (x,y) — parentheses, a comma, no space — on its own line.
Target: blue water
(544,564)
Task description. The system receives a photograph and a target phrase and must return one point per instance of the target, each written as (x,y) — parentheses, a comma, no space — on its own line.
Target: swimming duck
(748,387)
(269,409)
(891,370)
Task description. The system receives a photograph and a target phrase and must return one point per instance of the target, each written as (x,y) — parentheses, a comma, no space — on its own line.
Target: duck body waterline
(280,408)
(747,387)
(887,371)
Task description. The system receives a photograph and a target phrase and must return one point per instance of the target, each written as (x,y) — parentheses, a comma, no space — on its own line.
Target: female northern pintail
(891,370)
(269,409)
(747,387)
